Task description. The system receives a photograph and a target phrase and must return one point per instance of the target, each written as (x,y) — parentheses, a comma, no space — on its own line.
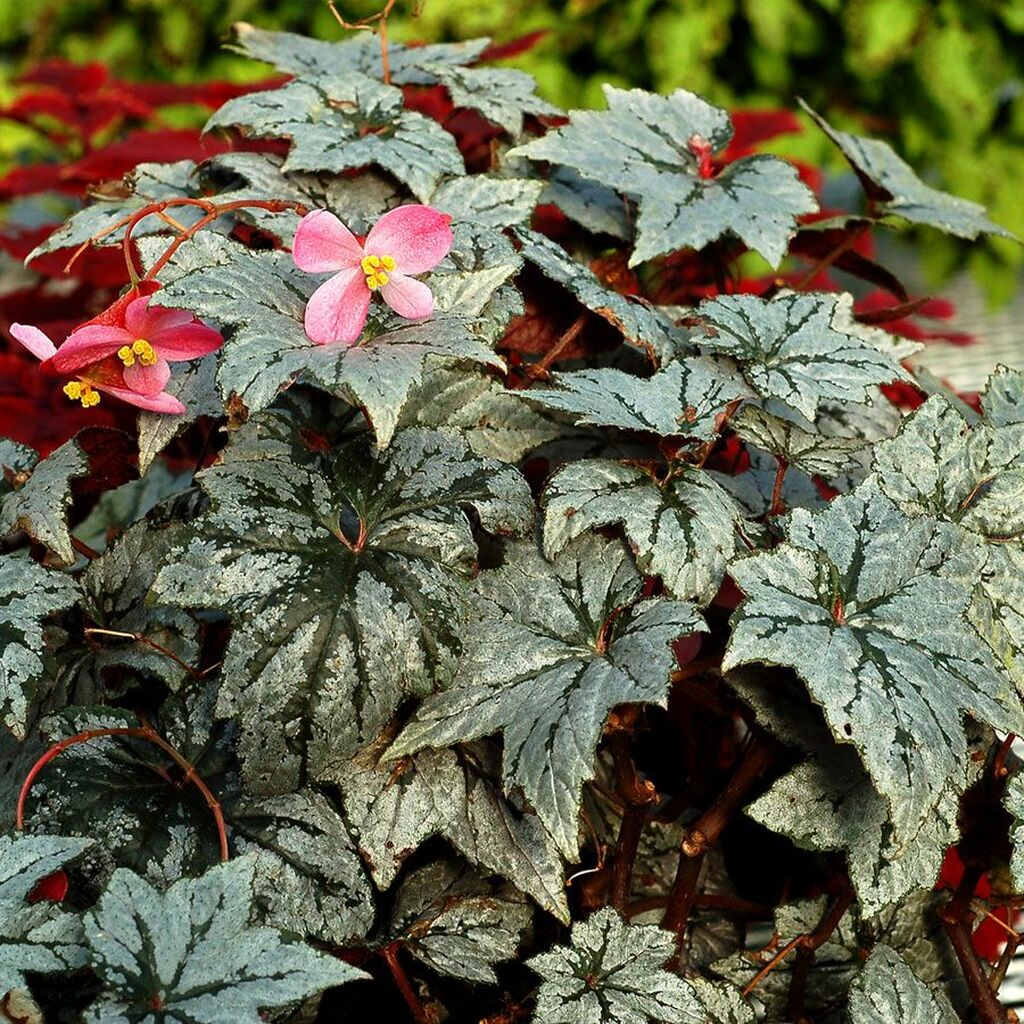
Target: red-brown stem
(999,768)
(638,797)
(809,945)
(771,965)
(778,505)
(956,916)
(540,368)
(416,1008)
(141,638)
(706,831)
(830,257)
(143,732)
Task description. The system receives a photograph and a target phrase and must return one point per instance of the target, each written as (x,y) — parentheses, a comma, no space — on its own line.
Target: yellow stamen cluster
(139,349)
(375,268)
(78,391)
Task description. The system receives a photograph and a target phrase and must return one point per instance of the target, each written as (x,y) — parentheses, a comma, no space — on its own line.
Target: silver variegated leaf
(148,183)
(614,973)
(344,573)
(36,937)
(594,207)
(190,953)
(39,504)
(642,326)
(456,924)
(858,603)
(259,298)
(794,348)
(1014,803)
(753,488)
(28,595)
(549,652)
(339,122)
(646,145)
(888,990)
(685,398)
(896,189)
(453,794)
(300,55)
(683,528)
(484,201)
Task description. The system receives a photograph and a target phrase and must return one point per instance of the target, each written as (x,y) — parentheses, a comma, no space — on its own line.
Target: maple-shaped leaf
(456,924)
(344,572)
(891,183)
(809,450)
(452,793)
(340,122)
(300,55)
(683,526)
(35,937)
(550,650)
(754,488)
(39,505)
(148,183)
(828,801)
(190,954)
(888,990)
(795,348)
(28,595)
(653,147)
(856,601)
(503,95)
(494,421)
(684,398)
(642,326)
(973,478)
(614,973)
(259,298)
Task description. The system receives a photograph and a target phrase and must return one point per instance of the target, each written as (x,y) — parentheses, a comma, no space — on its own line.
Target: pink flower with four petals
(124,352)
(407,240)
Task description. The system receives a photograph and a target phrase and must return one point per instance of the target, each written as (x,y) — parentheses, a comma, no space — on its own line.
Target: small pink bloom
(125,352)
(407,240)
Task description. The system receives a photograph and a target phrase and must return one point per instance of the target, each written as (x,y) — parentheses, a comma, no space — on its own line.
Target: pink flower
(405,241)
(124,352)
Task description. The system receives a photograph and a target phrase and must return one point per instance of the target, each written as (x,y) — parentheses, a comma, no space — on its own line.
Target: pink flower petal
(408,297)
(148,380)
(323,243)
(185,341)
(162,402)
(144,320)
(337,310)
(89,344)
(34,340)
(418,237)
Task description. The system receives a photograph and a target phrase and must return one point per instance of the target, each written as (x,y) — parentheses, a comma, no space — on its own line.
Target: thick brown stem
(956,917)
(809,944)
(778,506)
(638,796)
(416,1007)
(540,368)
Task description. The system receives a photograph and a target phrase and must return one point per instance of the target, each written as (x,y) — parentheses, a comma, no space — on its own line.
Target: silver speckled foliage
(606,618)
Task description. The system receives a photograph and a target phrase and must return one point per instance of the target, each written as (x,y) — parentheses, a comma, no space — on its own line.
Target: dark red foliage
(51,889)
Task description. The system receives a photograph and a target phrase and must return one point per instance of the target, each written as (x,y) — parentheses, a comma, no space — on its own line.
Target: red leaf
(62,74)
(51,889)
(514,47)
(752,127)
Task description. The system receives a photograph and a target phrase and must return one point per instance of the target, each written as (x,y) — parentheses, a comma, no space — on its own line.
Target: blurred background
(942,80)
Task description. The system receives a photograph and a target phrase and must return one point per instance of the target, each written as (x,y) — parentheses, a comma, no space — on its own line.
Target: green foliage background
(942,79)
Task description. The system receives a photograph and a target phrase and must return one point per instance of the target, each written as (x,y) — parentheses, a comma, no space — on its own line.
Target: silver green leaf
(28,594)
(614,973)
(452,794)
(191,952)
(300,55)
(148,183)
(685,398)
(888,990)
(896,189)
(345,577)
(641,146)
(753,488)
(809,450)
(795,348)
(642,326)
(683,528)
(484,201)
(455,924)
(594,207)
(35,937)
(258,299)
(40,504)
(1014,803)
(340,122)
(550,650)
(857,603)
